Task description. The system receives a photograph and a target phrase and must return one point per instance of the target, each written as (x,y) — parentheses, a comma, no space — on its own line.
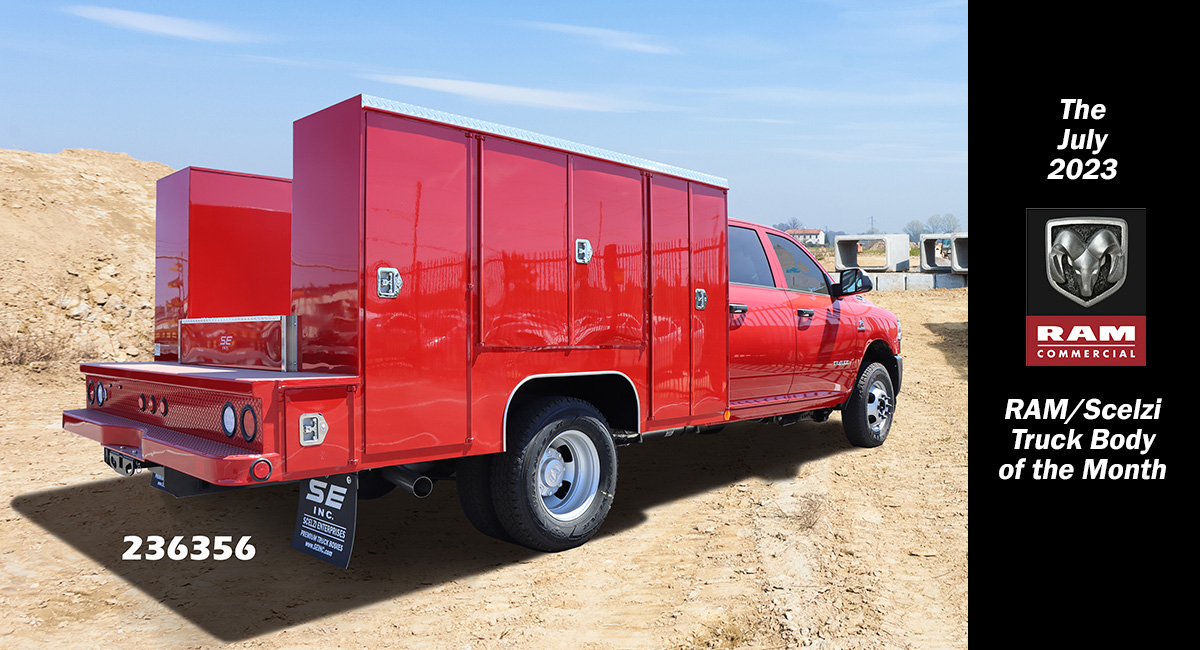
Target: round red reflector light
(261,470)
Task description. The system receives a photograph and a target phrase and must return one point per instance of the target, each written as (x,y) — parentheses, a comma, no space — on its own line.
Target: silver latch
(583,251)
(388,282)
(312,429)
(701,299)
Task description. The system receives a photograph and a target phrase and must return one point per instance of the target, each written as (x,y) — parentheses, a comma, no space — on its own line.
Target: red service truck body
(433,296)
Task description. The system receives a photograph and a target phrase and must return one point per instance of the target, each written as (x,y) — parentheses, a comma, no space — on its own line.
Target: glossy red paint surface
(828,336)
(523,245)
(709,327)
(172,205)
(222,245)
(671,302)
(419,186)
(762,344)
(239,242)
(608,293)
(337,406)
(327,232)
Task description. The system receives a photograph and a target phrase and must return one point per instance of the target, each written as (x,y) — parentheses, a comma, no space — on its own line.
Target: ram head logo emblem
(1086,257)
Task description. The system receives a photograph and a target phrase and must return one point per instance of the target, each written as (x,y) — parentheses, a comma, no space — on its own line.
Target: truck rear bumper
(208,460)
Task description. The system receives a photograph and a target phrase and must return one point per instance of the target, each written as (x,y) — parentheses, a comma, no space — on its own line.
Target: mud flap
(326,517)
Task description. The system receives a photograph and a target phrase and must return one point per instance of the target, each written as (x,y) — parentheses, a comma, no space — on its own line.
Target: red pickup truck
(435,297)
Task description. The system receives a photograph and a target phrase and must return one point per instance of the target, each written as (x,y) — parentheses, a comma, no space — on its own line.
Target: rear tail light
(250,424)
(229,420)
(91,393)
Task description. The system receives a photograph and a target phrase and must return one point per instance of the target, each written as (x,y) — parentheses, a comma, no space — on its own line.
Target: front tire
(555,485)
(867,416)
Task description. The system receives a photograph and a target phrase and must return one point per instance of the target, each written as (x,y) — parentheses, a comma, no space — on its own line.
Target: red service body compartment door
(336,408)
(608,292)
(670,304)
(689,303)
(710,301)
(418,202)
(524,262)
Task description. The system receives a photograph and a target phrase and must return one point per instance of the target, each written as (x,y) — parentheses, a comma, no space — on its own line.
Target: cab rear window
(747,259)
(800,270)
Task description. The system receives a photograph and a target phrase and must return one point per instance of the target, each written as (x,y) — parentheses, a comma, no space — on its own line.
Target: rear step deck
(211,376)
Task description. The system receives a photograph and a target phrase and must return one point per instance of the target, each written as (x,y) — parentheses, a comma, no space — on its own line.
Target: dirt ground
(759,537)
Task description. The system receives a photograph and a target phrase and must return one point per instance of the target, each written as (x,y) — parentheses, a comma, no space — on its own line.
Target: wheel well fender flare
(612,392)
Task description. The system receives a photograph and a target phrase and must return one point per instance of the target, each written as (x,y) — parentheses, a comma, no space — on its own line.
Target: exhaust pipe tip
(421,487)
(415,484)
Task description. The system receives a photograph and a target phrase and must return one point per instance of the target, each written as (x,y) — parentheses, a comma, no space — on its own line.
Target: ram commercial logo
(1086,341)
(1087,261)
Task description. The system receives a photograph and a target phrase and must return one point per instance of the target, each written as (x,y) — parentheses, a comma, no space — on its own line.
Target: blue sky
(831,112)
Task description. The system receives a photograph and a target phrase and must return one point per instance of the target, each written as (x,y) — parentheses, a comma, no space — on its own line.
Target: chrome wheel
(568,475)
(879,406)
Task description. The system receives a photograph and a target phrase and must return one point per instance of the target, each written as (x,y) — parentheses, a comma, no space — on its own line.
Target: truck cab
(797,337)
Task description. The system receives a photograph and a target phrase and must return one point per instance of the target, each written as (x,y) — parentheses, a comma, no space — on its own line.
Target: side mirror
(853,281)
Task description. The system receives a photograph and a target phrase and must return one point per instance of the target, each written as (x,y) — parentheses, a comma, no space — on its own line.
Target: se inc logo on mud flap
(326,517)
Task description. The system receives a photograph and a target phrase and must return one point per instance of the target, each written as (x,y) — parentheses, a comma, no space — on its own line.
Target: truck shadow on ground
(953,344)
(403,544)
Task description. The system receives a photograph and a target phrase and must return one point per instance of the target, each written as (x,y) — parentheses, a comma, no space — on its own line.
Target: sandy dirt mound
(759,537)
(76,255)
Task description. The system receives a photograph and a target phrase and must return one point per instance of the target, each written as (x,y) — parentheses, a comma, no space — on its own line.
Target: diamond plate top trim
(233,319)
(400,108)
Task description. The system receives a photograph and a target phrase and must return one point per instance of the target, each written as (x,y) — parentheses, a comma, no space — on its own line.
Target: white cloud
(883,153)
(195,30)
(610,38)
(536,97)
(751,120)
(941,95)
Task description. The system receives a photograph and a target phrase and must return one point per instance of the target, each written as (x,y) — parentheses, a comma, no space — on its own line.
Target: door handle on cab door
(735,308)
(806,313)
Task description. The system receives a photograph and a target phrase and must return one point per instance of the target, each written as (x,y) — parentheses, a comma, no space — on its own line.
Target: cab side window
(800,270)
(747,260)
